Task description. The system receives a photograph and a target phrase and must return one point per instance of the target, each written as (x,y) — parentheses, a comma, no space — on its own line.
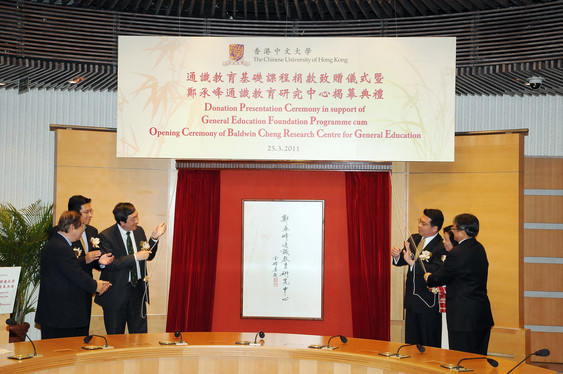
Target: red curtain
(368,202)
(194,251)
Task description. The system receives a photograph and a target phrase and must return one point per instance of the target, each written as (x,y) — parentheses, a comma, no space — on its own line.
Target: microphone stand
(542,353)
(177,334)
(87,340)
(420,347)
(20,357)
(261,335)
(343,339)
(247,342)
(459,368)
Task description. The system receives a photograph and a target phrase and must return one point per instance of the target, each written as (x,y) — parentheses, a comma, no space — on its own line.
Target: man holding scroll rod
(423,321)
(127,241)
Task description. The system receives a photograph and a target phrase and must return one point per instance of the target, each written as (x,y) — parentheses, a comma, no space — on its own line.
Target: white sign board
(9,277)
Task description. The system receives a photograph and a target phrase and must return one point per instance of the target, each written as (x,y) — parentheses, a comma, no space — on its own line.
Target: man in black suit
(423,323)
(468,310)
(126,303)
(90,254)
(61,310)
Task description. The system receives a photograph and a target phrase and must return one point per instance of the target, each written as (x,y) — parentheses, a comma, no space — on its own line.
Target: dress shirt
(124,238)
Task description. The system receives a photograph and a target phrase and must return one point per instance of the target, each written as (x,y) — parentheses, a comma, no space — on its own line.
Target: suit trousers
(470,341)
(133,313)
(423,328)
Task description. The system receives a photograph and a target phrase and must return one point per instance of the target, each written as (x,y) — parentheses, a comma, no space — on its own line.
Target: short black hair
(468,223)
(122,211)
(436,217)
(75,202)
(68,218)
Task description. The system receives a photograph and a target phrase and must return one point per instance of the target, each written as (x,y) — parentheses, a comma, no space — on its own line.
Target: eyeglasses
(87,211)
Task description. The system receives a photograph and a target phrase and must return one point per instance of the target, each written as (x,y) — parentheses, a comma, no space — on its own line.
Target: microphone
(420,348)
(459,368)
(542,353)
(177,334)
(12,322)
(343,339)
(261,335)
(87,340)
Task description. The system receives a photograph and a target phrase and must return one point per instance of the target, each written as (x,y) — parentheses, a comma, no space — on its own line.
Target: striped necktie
(130,251)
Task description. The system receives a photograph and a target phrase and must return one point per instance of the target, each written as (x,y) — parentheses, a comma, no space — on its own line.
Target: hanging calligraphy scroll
(282,269)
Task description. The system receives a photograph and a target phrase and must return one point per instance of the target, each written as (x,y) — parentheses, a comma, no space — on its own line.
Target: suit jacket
(63,287)
(91,232)
(418,298)
(117,273)
(465,274)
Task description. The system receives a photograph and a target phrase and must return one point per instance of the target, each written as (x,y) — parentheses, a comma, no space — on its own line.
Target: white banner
(242,98)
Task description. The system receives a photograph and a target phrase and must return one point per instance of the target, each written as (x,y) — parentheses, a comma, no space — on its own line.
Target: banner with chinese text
(244,98)
(9,277)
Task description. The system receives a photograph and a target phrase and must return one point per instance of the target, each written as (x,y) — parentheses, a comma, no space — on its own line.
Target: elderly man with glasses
(465,271)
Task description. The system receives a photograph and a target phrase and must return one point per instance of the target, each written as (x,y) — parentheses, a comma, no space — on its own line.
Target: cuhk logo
(236,51)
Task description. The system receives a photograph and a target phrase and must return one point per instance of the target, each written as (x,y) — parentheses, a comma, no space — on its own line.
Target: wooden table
(216,352)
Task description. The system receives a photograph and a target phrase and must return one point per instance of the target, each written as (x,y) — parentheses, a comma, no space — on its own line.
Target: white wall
(542,115)
(27,145)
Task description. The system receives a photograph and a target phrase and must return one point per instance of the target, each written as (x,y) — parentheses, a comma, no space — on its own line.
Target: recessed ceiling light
(76,80)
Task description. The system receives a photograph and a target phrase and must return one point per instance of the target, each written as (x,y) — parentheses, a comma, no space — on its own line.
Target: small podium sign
(9,277)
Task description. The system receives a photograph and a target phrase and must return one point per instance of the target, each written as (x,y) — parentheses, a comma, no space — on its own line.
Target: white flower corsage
(95,242)
(145,246)
(425,255)
(434,290)
(443,258)
(77,252)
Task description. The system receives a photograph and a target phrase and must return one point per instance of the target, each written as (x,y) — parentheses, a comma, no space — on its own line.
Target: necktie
(419,248)
(84,246)
(130,251)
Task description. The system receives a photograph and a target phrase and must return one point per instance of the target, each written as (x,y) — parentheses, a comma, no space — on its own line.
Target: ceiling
(501,44)
(294,10)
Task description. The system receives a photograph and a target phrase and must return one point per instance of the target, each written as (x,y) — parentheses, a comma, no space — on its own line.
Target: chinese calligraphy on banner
(9,277)
(282,259)
(345,99)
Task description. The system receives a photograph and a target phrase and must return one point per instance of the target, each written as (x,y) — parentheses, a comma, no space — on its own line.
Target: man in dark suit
(126,303)
(468,310)
(423,324)
(90,254)
(61,310)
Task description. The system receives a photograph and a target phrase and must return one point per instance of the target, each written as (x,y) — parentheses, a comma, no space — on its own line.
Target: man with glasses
(87,246)
(125,304)
(422,252)
(88,242)
(468,310)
